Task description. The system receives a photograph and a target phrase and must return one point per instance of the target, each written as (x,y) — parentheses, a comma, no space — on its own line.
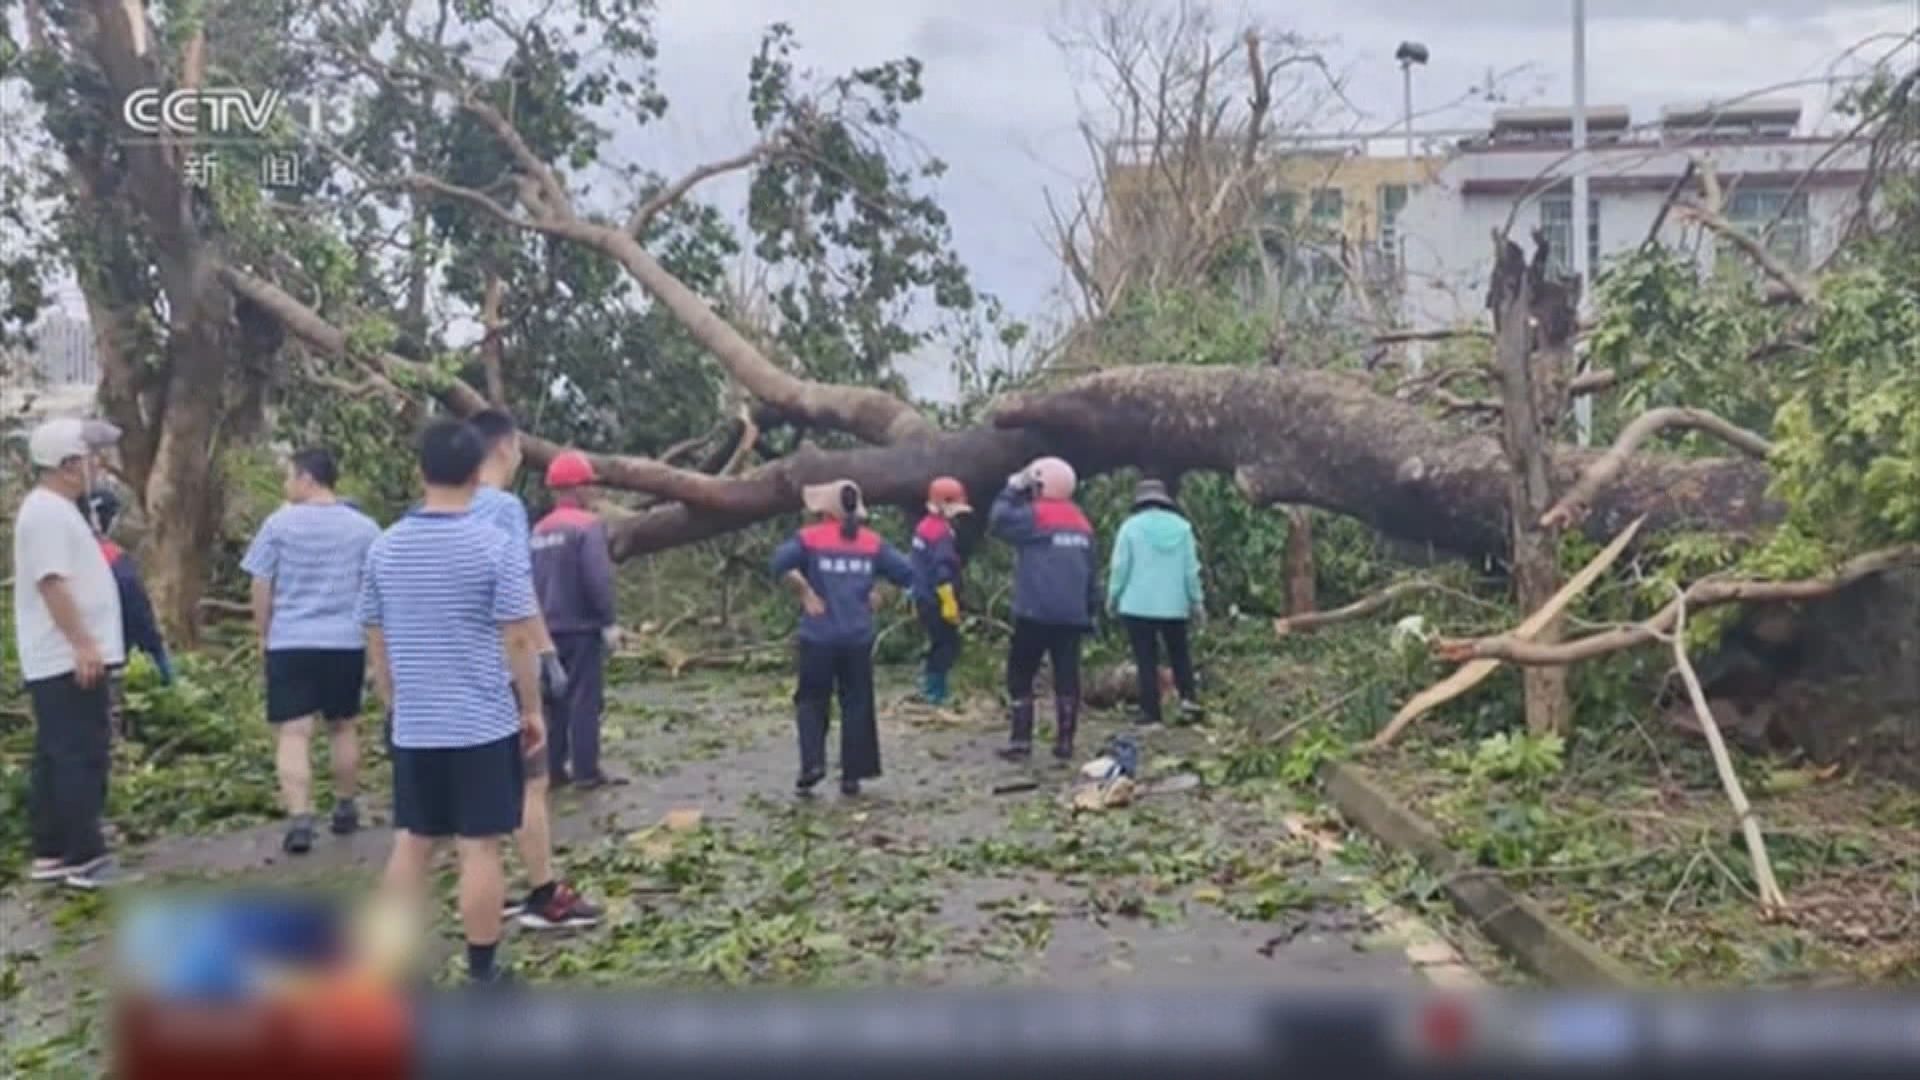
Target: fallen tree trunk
(1301,437)
(1290,436)
(1304,437)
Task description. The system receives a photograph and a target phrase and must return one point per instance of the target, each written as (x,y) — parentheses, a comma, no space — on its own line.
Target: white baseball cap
(55,441)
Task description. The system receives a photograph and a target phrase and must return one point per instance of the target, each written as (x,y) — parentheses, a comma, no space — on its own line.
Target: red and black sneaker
(563,909)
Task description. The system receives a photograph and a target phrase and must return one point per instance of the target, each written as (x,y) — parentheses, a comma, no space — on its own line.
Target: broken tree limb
(1666,206)
(677,190)
(1799,289)
(1476,671)
(1702,594)
(1359,609)
(1643,428)
(1772,901)
(1533,318)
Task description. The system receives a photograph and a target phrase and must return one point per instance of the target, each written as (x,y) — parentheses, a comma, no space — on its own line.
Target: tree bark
(1310,438)
(192,400)
(1530,399)
(1300,598)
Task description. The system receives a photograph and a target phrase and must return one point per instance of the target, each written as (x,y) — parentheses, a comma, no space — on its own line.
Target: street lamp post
(1409,53)
(1582,405)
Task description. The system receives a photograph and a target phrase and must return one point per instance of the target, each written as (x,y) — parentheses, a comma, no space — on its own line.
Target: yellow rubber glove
(949,604)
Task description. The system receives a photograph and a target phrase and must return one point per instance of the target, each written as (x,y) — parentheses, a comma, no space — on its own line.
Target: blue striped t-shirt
(439,586)
(504,511)
(313,555)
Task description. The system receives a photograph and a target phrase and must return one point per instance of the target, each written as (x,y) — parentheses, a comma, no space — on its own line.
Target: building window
(1754,210)
(1278,210)
(1393,199)
(1556,221)
(1328,206)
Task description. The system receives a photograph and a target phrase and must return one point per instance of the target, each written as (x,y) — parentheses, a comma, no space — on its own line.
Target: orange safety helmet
(947,497)
(569,470)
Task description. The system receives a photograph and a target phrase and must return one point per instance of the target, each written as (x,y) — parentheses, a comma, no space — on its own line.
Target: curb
(1542,943)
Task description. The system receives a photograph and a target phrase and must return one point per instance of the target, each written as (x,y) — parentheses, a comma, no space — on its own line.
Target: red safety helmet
(948,497)
(569,470)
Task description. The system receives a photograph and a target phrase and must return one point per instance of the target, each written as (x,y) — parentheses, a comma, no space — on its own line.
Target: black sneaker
(298,841)
(513,907)
(1015,751)
(849,787)
(346,819)
(808,781)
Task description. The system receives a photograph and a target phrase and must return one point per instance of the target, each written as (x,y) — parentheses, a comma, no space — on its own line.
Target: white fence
(63,352)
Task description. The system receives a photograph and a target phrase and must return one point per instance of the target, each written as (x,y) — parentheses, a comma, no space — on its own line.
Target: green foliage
(193,756)
(1183,326)
(1681,337)
(1847,454)
(1525,759)
(836,205)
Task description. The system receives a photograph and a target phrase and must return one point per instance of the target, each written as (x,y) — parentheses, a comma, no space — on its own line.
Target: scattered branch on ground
(1513,649)
(1772,901)
(1476,671)
(1359,609)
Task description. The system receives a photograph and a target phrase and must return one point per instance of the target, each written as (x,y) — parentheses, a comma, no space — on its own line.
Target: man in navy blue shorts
(452,635)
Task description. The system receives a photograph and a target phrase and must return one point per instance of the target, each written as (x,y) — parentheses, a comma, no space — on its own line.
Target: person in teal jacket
(1153,584)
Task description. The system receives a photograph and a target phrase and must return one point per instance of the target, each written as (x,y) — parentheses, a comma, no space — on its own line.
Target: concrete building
(1517,172)
(1344,193)
(57,376)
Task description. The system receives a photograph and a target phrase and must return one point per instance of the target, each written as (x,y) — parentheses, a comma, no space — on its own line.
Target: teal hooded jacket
(1155,573)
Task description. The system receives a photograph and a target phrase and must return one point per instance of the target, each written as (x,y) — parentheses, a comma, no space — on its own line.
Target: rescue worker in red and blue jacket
(138,626)
(1056,591)
(832,565)
(936,584)
(573,577)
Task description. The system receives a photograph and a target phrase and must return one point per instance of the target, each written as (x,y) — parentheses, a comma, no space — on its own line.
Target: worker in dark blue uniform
(936,585)
(141,629)
(1056,592)
(831,566)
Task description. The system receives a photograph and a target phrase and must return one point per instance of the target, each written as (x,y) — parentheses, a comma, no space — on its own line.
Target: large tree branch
(677,190)
(1800,290)
(872,415)
(615,470)
(1703,594)
(1649,423)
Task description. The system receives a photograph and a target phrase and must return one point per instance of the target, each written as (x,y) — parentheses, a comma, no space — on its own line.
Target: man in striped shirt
(444,597)
(305,563)
(550,903)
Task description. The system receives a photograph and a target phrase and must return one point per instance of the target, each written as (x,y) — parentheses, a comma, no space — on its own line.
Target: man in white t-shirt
(66,611)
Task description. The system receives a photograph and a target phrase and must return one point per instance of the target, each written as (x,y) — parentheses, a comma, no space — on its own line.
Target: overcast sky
(1000,109)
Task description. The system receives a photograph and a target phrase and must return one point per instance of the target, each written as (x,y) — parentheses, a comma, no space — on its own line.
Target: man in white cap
(66,612)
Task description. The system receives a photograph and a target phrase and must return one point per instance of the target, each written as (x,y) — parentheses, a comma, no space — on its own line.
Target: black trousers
(67,785)
(573,721)
(1146,635)
(1033,641)
(943,638)
(849,670)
